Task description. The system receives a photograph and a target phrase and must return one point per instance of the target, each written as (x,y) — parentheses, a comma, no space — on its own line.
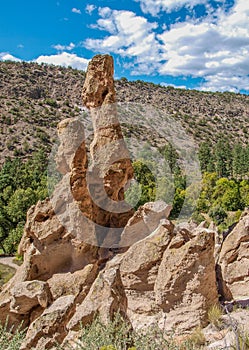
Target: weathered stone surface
(99,84)
(157,273)
(105,298)
(144,221)
(139,267)
(140,263)
(26,295)
(185,287)
(49,327)
(77,283)
(233,263)
(111,169)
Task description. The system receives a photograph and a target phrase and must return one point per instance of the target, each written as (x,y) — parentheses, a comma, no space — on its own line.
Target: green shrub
(214,315)
(9,340)
(218,214)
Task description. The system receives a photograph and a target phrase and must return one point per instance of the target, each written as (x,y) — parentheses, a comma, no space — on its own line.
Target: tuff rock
(233,262)
(88,252)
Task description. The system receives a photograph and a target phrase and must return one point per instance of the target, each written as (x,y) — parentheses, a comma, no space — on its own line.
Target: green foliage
(214,315)
(51,102)
(9,340)
(197,338)
(226,162)
(118,335)
(22,184)
(146,179)
(227,195)
(218,214)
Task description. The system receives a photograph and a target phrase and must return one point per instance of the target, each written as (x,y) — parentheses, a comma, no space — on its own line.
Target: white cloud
(219,51)
(5,56)
(90,8)
(130,35)
(225,82)
(154,7)
(60,47)
(64,59)
(174,86)
(214,48)
(75,10)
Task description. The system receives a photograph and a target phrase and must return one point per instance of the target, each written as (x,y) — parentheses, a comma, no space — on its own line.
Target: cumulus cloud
(154,7)
(75,10)
(174,85)
(215,47)
(130,35)
(64,59)
(90,8)
(219,51)
(5,56)
(60,47)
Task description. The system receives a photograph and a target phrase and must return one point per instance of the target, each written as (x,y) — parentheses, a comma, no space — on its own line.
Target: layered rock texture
(86,252)
(233,263)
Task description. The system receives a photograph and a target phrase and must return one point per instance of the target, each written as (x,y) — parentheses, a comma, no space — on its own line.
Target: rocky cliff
(86,252)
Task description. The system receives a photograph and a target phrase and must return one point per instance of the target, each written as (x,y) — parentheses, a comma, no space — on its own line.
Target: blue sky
(200,44)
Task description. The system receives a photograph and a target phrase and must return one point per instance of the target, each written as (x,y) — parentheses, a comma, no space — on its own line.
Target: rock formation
(233,263)
(71,271)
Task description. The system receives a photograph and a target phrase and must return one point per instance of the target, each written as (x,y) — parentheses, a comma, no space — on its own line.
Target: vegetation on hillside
(34,98)
(22,184)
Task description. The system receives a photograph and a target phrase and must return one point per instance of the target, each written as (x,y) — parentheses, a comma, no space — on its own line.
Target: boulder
(49,327)
(185,287)
(105,298)
(26,295)
(233,263)
(145,220)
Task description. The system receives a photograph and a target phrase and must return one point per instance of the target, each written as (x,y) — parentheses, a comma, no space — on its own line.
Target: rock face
(233,263)
(163,274)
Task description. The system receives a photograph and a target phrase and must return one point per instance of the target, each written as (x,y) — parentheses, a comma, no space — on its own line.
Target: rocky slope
(86,252)
(34,98)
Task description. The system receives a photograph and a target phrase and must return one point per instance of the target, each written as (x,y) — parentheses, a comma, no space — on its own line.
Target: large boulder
(49,327)
(233,263)
(106,297)
(185,287)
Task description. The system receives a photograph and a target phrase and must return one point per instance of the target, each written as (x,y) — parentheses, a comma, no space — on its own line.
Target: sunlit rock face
(86,251)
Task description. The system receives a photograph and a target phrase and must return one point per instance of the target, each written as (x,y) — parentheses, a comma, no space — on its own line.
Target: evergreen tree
(205,154)
(223,158)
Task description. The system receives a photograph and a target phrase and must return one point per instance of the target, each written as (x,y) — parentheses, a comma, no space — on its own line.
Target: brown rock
(77,283)
(185,287)
(99,84)
(26,295)
(233,264)
(49,327)
(111,169)
(139,267)
(145,220)
(106,297)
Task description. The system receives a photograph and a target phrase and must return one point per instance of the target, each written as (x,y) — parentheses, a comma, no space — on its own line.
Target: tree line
(224,186)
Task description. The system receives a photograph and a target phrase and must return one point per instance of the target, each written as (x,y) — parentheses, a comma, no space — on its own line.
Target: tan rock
(111,168)
(106,297)
(49,327)
(233,263)
(139,267)
(99,84)
(145,220)
(139,263)
(77,283)
(185,287)
(26,295)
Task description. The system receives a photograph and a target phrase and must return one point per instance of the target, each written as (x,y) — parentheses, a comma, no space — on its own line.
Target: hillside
(34,98)
(91,262)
